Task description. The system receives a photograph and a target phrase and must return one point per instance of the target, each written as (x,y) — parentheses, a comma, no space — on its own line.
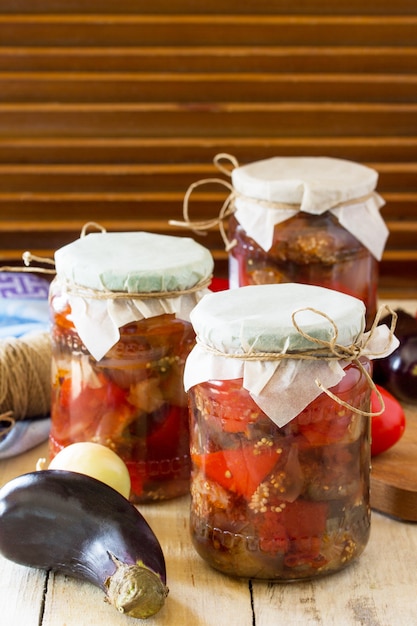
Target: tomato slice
(387,428)
(304,518)
(101,411)
(320,424)
(227,406)
(296,530)
(239,470)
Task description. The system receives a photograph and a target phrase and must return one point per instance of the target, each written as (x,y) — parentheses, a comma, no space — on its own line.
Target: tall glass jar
(307,220)
(280,431)
(310,220)
(120,335)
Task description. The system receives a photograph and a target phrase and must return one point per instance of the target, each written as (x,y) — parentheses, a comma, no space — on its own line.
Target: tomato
(219,284)
(303,518)
(325,431)
(272,533)
(100,411)
(321,423)
(228,406)
(296,530)
(388,427)
(239,470)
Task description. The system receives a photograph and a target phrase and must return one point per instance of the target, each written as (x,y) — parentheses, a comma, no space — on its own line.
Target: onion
(96,460)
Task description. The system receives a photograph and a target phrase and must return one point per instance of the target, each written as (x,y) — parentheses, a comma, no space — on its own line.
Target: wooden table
(380,589)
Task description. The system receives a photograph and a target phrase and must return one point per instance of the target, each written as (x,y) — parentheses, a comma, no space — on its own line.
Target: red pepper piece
(272,533)
(164,442)
(303,519)
(305,523)
(295,529)
(229,407)
(239,470)
(137,477)
(101,411)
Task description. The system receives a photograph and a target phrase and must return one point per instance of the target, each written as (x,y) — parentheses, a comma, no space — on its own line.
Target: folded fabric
(25,435)
(23,309)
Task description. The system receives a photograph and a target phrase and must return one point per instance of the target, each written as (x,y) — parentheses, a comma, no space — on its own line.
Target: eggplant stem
(135,590)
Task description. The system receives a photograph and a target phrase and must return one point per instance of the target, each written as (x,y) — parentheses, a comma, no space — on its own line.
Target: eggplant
(397,372)
(74,524)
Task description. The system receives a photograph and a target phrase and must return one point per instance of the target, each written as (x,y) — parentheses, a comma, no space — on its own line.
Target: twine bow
(227,208)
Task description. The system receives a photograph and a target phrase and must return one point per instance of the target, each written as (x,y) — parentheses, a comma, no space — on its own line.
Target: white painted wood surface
(380,589)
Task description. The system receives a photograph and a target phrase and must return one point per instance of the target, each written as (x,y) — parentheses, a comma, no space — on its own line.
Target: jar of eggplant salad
(120,305)
(279,386)
(311,220)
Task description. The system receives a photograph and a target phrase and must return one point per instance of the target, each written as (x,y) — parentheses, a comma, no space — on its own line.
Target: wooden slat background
(109,109)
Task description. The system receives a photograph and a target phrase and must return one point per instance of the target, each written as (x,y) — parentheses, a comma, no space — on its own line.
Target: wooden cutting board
(394,474)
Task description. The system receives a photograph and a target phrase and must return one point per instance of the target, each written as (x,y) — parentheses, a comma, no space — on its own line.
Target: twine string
(328,350)
(88,225)
(228,206)
(28,257)
(25,376)
(96,294)
(202,226)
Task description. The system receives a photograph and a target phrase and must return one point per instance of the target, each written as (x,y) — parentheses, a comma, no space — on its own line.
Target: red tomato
(321,424)
(219,284)
(228,406)
(101,412)
(388,427)
(239,470)
(296,530)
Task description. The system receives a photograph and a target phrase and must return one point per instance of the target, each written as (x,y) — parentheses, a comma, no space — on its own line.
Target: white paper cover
(313,185)
(133,263)
(281,388)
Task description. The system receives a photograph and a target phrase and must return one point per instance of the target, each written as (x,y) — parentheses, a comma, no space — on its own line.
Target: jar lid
(271,191)
(133,262)
(235,327)
(315,184)
(258,318)
(113,279)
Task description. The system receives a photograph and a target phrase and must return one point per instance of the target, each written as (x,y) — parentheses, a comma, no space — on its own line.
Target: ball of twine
(25,375)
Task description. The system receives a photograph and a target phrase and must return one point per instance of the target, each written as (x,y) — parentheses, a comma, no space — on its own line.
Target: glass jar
(118,357)
(310,220)
(280,432)
(309,249)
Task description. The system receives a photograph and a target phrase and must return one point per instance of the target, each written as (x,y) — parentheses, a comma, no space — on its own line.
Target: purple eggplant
(398,371)
(74,524)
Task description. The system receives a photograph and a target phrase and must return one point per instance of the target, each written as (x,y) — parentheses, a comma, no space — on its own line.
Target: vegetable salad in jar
(280,430)
(308,220)
(120,336)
